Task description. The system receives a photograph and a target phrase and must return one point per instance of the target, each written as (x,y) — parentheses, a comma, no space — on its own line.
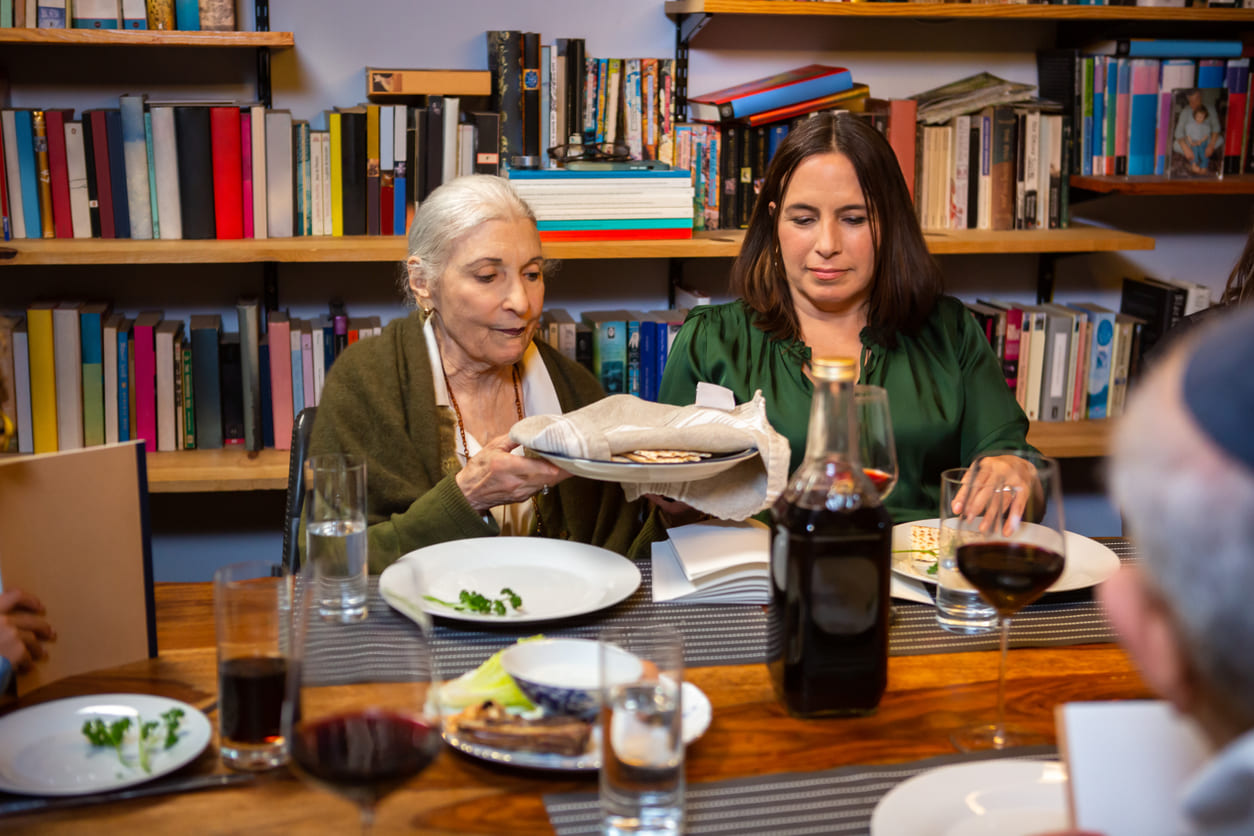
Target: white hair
(1190,509)
(451,211)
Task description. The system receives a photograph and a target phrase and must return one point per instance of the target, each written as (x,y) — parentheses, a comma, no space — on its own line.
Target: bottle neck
(833,423)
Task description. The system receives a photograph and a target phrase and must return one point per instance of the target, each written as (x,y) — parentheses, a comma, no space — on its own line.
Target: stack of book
(617,202)
(184,15)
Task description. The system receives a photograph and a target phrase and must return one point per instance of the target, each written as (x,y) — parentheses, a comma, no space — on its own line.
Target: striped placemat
(713,634)
(833,801)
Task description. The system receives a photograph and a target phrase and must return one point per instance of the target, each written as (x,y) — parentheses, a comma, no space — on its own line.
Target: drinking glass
(642,746)
(252,606)
(354,727)
(1012,548)
(959,606)
(335,533)
(876,446)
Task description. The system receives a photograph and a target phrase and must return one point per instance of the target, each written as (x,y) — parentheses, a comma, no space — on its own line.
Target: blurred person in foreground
(429,403)
(23,628)
(834,264)
(1183,475)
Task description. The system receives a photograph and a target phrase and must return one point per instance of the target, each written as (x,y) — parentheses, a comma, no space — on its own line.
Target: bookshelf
(1231,184)
(143,37)
(954,11)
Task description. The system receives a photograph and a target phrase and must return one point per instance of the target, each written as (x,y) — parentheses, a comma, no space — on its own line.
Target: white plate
(988,798)
(555,578)
(43,750)
(638,473)
(1088,561)
(696,719)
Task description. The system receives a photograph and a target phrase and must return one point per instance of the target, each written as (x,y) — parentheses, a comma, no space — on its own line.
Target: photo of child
(1197,140)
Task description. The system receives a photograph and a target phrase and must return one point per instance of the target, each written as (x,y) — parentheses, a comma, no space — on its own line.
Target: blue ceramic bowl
(561,675)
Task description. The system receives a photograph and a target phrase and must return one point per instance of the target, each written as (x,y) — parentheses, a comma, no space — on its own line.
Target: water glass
(252,605)
(642,746)
(335,534)
(959,607)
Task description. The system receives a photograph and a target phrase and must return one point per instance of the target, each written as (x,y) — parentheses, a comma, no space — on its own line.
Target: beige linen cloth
(622,423)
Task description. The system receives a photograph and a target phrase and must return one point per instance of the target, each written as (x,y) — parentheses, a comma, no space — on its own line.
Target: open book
(714,562)
(1128,764)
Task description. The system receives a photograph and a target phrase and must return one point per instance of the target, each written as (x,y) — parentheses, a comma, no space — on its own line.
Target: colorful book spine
(228,200)
(91,329)
(1143,116)
(1099,115)
(117,167)
(134,15)
(95,14)
(58,171)
(21,384)
(28,172)
(76,177)
(279,335)
(68,364)
(1238,86)
(43,172)
(126,379)
(43,377)
(187,15)
(144,382)
(188,416)
(400,167)
(135,151)
(337,176)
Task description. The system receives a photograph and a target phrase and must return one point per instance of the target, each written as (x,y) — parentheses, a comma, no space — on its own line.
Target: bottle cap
(834,368)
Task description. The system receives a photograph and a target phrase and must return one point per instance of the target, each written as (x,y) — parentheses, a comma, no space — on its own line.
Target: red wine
(364,756)
(1009,575)
(828,618)
(250,693)
(879,479)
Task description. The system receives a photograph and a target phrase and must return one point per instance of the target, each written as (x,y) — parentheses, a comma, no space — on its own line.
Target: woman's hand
(998,474)
(495,476)
(674,512)
(23,629)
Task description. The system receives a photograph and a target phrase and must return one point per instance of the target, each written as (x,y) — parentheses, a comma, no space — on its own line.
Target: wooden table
(928,697)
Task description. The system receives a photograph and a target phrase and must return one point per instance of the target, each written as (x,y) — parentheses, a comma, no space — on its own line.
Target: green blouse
(946,390)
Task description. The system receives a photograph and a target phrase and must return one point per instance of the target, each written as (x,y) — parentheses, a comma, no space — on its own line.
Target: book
(51,14)
(184,396)
(847,98)
(1159,304)
(166,171)
(126,378)
(609,348)
(1143,116)
(134,16)
(1063,377)
(92,318)
(1164,48)
(1100,358)
(12,173)
(1004,140)
(187,15)
(280,213)
(135,153)
(384,83)
(227,163)
(1128,349)
(95,14)
(206,335)
(531,132)
(58,171)
(105,554)
(713,562)
(940,104)
(257,131)
(22,387)
(775,91)
(352,170)
(109,358)
(217,15)
(232,391)
(248,312)
(68,366)
(29,171)
(161,15)
(8,378)
(372,169)
(505,62)
(279,333)
(118,175)
(144,382)
(168,370)
(1237,83)
(246,170)
(400,167)
(194,153)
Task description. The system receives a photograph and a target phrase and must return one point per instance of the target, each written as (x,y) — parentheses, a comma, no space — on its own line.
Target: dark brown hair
(1240,286)
(906,281)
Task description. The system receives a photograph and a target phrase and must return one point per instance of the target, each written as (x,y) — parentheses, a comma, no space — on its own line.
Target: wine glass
(354,727)
(876,447)
(1011,547)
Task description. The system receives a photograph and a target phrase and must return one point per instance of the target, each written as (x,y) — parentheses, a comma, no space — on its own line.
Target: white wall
(1198,238)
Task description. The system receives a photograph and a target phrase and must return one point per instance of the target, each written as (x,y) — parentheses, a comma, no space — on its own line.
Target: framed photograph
(1198,116)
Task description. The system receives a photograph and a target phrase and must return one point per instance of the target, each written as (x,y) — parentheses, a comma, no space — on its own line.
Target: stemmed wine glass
(1011,547)
(355,727)
(876,446)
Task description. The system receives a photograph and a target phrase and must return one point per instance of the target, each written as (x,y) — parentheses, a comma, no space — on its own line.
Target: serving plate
(1088,561)
(43,750)
(555,578)
(988,798)
(639,473)
(697,714)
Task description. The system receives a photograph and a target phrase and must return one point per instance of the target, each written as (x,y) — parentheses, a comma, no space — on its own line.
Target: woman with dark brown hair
(834,264)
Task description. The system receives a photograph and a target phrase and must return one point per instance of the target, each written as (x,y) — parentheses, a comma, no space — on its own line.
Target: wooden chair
(302,430)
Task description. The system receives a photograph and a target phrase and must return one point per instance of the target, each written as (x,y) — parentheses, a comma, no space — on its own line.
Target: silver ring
(545,490)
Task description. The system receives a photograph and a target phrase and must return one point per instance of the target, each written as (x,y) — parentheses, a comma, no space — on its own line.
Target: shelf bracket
(674,278)
(686,27)
(264,90)
(269,286)
(1046,265)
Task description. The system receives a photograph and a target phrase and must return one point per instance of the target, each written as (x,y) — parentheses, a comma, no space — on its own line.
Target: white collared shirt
(539,398)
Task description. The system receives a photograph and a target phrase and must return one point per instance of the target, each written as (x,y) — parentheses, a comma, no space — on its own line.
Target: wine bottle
(830,563)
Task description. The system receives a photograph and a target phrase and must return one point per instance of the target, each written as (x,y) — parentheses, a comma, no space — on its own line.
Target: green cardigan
(946,390)
(379,402)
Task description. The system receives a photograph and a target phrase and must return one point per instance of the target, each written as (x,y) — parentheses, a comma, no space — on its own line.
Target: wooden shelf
(228,469)
(201,471)
(144,37)
(974,11)
(1070,439)
(1154,185)
(362,248)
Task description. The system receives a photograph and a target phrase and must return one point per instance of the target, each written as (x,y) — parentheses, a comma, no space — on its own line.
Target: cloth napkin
(622,423)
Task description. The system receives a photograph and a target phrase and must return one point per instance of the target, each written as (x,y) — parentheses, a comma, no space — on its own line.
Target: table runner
(713,634)
(832,801)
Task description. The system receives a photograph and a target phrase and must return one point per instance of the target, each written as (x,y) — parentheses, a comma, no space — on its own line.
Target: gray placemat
(713,634)
(833,801)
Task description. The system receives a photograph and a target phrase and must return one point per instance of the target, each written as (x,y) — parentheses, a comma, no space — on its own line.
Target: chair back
(302,430)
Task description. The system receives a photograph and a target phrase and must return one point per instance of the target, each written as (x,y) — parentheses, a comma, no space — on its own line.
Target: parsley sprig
(471,601)
(113,735)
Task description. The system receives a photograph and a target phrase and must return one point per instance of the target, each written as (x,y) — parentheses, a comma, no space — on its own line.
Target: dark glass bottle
(831,546)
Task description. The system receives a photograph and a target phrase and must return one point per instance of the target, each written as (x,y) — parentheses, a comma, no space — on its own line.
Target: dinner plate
(637,472)
(555,578)
(43,750)
(988,798)
(696,719)
(1088,561)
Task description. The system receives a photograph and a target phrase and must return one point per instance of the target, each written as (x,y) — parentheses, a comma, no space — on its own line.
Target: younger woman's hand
(495,476)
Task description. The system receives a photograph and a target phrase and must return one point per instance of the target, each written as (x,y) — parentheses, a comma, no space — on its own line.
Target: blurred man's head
(1183,476)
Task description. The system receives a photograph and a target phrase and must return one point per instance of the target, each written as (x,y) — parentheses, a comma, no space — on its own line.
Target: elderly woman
(834,264)
(429,403)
